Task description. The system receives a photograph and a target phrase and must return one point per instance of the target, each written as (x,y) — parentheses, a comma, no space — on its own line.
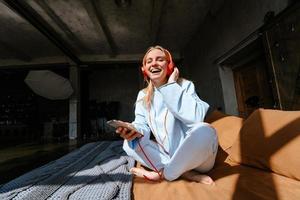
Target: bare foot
(197,177)
(140,172)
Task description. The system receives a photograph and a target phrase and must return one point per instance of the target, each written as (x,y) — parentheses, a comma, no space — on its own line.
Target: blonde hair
(150,87)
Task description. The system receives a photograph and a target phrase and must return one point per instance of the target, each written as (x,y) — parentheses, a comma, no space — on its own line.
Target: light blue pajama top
(174,110)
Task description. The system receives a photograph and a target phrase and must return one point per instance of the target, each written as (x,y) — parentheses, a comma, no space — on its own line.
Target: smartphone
(117,123)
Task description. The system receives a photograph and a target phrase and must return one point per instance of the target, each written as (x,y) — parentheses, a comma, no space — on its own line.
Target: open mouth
(155,70)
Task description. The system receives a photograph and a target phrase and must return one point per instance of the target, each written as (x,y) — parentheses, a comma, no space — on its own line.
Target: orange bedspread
(231,182)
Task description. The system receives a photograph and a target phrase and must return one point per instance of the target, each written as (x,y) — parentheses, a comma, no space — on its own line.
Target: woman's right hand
(127,134)
(174,76)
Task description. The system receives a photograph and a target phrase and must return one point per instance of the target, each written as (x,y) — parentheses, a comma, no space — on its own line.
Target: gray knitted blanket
(95,171)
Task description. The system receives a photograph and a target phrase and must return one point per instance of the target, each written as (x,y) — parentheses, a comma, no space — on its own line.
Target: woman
(170,109)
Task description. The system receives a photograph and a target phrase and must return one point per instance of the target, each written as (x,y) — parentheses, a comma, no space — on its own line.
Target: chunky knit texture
(95,171)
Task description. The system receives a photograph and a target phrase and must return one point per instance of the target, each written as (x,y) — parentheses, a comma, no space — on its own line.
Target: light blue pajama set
(183,141)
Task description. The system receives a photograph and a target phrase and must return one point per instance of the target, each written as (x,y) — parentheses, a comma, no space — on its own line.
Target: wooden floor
(19,159)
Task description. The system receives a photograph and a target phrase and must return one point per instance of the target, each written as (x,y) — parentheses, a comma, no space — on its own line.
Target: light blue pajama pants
(197,151)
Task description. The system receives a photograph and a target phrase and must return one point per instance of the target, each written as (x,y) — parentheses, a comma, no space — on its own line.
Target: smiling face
(155,66)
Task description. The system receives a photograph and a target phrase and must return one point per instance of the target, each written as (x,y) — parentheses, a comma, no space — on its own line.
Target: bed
(256,160)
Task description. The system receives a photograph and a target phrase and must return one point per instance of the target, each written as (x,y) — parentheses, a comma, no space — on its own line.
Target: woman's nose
(154,63)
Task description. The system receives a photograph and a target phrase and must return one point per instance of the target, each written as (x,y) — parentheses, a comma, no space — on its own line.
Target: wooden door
(252,87)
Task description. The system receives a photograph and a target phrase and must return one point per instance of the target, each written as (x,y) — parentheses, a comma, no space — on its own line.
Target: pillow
(227,128)
(269,139)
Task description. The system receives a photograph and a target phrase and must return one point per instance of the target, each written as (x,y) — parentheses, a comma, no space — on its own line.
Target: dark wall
(222,30)
(116,83)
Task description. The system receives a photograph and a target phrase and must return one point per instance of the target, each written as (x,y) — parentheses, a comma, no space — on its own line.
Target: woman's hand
(174,76)
(127,134)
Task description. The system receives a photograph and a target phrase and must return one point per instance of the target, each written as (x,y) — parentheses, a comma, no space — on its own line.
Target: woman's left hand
(174,76)
(127,134)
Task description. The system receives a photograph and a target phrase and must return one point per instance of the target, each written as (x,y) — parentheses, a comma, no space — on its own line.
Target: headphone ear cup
(144,73)
(170,68)
(171,64)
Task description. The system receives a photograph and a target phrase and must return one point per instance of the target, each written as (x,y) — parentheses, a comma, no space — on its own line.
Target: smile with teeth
(155,70)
